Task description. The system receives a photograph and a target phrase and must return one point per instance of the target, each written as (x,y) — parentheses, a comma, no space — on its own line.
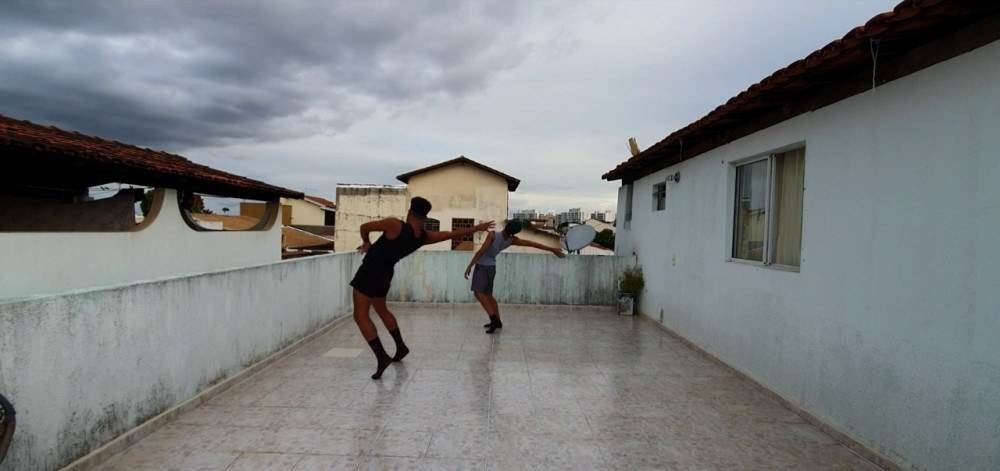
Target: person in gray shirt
(485,263)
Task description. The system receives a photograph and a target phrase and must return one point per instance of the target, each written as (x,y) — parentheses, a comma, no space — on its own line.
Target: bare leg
(484,301)
(388,319)
(362,304)
(390,323)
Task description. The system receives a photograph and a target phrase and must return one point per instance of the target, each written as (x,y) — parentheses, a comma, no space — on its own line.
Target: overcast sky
(308,94)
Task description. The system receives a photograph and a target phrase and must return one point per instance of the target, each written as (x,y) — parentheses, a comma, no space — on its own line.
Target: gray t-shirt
(489,257)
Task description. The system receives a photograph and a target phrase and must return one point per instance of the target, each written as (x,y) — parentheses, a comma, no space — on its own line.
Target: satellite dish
(578,237)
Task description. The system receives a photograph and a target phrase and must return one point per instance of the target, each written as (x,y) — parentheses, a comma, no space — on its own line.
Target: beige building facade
(462,193)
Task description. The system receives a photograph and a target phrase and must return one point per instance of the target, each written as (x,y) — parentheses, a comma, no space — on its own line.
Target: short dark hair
(513,227)
(420,207)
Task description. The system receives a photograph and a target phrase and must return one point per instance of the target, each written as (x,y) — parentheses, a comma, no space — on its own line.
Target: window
(465,243)
(660,196)
(767,224)
(628,206)
(431,224)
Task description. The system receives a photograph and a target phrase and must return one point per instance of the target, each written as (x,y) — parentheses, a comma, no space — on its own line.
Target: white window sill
(763,265)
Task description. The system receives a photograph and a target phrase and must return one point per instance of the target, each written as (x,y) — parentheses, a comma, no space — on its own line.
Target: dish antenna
(578,237)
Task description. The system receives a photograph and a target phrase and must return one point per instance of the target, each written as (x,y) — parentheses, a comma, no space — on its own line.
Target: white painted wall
(890,331)
(359,204)
(36,263)
(84,367)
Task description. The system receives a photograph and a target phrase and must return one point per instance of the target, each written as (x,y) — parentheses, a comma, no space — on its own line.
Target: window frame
(629,189)
(463,223)
(659,197)
(770,235)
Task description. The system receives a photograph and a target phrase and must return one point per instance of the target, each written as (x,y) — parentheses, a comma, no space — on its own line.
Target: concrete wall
(521,278)
(890,330)
(461,191)
(36,263)
(357,205)
(84,367)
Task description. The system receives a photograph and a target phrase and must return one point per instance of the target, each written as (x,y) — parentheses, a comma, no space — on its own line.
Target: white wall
(84,367)
(435,276)
(890,331)
(36,263)
(357,205)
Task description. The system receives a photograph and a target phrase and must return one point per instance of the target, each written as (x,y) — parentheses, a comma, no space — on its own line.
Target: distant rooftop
(512,182)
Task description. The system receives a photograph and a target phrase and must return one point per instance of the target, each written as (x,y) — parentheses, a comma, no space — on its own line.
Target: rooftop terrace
(559,388)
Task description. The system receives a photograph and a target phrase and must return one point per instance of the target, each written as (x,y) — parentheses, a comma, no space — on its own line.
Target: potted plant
(6,426)
(629,287)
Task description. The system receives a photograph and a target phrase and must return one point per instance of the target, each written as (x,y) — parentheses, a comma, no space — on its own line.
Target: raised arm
(435,237)
(389,226)
(479,253)
(527,243)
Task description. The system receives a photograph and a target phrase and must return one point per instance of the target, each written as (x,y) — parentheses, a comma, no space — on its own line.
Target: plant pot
(626,304)
(7,423)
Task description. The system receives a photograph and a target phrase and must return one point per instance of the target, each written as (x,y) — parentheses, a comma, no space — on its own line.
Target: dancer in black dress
(371,282)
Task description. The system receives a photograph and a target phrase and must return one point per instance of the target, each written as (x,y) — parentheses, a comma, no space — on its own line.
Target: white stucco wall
(36,263)
(890,331)
(84,367)
(357,205)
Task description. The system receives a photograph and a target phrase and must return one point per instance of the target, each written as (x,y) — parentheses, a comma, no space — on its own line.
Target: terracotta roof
(229,223)
(914,35)
(321,201)
(45,155)
(298,239)
(512,182)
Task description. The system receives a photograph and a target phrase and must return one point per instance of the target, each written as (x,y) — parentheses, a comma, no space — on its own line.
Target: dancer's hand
(485,226)
(468,270)
(363,248)
(558,253)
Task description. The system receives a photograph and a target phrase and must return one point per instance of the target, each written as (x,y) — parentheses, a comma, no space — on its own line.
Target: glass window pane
(628,202)
(751,198)
(789,175)
(659,196)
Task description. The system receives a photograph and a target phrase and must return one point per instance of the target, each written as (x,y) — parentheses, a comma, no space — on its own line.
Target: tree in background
(225,210)
(606,239)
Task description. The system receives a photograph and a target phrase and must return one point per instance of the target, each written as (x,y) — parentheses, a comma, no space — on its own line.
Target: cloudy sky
(310,93)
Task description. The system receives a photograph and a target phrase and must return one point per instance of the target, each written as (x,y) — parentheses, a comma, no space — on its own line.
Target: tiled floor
(559,388)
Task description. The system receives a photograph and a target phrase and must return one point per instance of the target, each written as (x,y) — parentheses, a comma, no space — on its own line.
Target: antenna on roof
(633,147)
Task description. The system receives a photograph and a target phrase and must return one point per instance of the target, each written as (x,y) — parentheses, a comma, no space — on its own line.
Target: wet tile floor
(558,388)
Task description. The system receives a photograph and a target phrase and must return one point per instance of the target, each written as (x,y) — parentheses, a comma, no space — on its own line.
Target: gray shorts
(482,279)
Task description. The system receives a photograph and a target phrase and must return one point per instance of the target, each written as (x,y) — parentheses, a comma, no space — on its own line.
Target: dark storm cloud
(193,74)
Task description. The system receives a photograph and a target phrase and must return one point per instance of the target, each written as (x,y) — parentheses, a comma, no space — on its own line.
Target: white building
(833,233)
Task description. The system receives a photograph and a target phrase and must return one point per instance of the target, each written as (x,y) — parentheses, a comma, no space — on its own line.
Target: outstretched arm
(527,243)
(389,226)
(435,237)
(475,258)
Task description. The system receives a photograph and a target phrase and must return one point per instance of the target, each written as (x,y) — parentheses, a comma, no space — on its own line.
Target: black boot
(401,350)
(494,324)
(383,358)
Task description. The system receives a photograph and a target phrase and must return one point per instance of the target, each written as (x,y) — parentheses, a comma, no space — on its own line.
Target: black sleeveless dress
(375,274)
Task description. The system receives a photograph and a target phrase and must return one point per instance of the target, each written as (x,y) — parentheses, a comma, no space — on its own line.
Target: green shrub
(632,281)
